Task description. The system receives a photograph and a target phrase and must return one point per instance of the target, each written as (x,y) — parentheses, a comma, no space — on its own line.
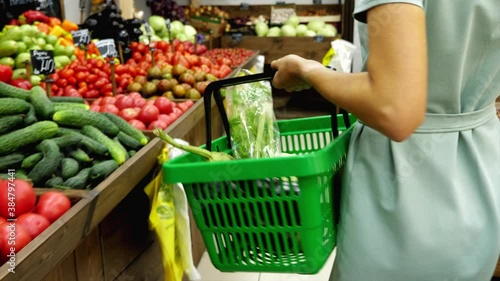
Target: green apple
(35,80)
(21,58)
(27,41)
(48,47)
(19,73)
(35,47)
(59,50)
(51,39)
(62,60)
(40,42)
(21,47)
(69,51)
(7,61)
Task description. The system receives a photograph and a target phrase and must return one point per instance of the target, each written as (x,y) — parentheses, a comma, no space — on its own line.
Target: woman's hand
(290,73)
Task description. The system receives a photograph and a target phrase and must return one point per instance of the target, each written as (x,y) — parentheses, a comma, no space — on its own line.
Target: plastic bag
(340,56)
(170,220)
(253,127)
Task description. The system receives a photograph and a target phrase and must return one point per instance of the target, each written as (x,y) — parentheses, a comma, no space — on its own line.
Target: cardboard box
(212,26)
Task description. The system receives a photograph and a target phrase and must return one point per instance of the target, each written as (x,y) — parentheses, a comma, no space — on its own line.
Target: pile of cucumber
(58,142)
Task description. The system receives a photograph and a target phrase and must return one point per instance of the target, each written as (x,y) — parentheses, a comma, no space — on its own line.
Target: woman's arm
(391,96)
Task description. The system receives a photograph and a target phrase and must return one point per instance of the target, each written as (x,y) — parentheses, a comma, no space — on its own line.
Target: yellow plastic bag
(162,221)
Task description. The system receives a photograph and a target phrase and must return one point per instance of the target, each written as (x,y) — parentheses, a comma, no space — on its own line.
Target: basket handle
(214,89)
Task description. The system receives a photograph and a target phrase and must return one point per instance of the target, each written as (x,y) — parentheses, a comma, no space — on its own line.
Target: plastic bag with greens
(253,127)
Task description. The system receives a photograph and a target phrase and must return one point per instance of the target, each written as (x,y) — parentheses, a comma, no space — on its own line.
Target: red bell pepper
(5,73)
(21,83)
(31,16)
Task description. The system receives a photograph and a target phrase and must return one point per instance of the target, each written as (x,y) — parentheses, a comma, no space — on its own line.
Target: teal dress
(428,208)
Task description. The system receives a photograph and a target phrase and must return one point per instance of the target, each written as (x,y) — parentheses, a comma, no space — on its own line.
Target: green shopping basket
(268,214)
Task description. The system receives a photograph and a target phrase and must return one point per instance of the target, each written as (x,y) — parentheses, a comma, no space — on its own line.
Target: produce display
(233,57)
(58,142)
(292,27)
(32,215)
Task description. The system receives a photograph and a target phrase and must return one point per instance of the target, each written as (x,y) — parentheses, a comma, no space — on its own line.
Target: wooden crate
(48,249)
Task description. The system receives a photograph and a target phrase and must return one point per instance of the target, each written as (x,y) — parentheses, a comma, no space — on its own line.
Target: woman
(421,192)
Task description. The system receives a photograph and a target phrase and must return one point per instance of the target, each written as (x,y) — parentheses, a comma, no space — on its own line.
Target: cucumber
(30,117)
(44,169)
(117,142)
(91,144)
(81,118)
(54,182)
(103,169)
(67,99)
(31,160)
(11,161)
(128,129)
(69,168)
(79,181)
(60,106)
(39,131)
(12,106)
(80,155)
(65,141)
(9,91)
(128,141)
(19,174)
(131,153)
(8,123)
(117,152)
(43,106)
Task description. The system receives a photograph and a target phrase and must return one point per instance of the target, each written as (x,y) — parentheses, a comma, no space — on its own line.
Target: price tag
(317,2)
(168,24)
(81,37)
(237,37)
(147,27)
(107,48)
(42,62)
(244,6)
(280,3)
(319,38)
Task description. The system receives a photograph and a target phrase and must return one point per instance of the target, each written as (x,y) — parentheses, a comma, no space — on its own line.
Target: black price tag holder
(107,49)
(198,40)
(237,37)
(42,63)
(81,38)
(170,36)
(148,31)
(244,7)
(319,38)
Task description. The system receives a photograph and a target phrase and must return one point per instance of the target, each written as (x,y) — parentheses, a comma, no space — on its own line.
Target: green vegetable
(118,153)
(44,169)
(67,99)
(128,141)
(128,129)
(211,156)
(30,116)
(9,91)
(11,161)
(253,126)
(54,182)
(122,148)
(80,155)
(8,123)
(89,143)
(79,181)
(12,106)
(69,167)
(81,118)
(103,169)
(65,141)
(31,160)
(14,140)
(43,106)
(131,153)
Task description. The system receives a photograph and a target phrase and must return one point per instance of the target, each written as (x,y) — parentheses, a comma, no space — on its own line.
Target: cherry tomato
(52,205)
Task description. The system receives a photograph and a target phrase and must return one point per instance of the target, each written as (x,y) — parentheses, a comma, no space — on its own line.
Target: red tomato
(16,198)
(108,100)
(124,102)
(129,113)
(148,114)
(2,220)
(164,105)
(110,108)
(167,119)
(177,113)
(92,78)
(92,94)
(72,81)
(96,108)
(52,205)
(183,106)
(21,83)
(13,238)
(33,223)
(157,124)
(137,124)
(5,73)
(139,102)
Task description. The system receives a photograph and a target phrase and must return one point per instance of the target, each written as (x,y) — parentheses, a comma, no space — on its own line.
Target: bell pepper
(57,31)
(21,83)
(43,27)
(32,16)
(69,26)
(53,21)
(5,73)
